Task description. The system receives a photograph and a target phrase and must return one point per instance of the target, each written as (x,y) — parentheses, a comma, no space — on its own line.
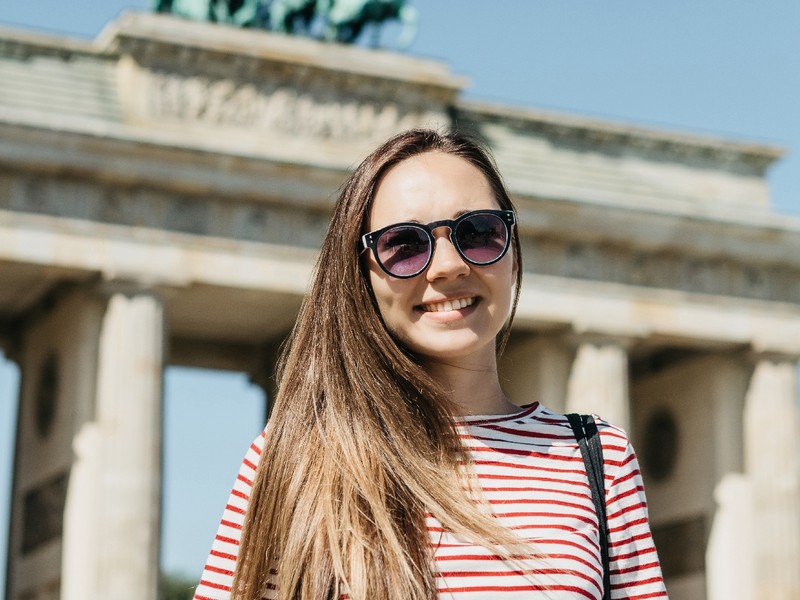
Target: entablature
(563,157)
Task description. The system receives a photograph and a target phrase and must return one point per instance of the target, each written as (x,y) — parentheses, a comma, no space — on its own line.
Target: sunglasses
(405,250)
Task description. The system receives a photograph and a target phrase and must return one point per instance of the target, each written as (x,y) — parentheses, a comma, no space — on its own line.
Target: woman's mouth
(448,305)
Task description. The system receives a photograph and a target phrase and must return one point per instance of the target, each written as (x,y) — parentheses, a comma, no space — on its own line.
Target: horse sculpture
(346,19)
(244,13)
(294,16)
(340,20)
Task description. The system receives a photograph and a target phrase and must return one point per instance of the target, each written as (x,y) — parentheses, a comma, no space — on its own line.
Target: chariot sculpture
(342,21)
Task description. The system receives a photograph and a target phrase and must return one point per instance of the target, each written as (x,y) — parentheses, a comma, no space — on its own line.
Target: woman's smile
(448,305)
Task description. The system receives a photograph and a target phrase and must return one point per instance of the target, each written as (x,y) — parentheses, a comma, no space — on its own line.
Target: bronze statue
(294,16)
(244,13)
(346,19)
(336,20)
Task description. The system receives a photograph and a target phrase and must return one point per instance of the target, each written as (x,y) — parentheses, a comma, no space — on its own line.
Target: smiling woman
(393,465)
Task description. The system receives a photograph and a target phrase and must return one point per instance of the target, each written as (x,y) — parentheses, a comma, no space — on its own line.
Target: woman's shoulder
(612,437)
(607,429)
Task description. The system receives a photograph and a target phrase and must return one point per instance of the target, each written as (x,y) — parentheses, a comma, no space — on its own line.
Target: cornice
(597,133)
(37,149)
(755,237)
(22,44)
(733,276)
(156,38)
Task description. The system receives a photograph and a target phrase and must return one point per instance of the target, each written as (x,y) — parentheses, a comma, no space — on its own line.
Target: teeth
(448,305)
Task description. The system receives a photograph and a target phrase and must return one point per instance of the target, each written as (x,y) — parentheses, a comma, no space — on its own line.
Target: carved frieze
(276,106)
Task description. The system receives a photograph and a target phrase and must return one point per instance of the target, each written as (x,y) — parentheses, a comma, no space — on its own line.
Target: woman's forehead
(428,187)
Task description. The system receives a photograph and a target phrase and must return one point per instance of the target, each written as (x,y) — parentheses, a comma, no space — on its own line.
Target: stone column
(57,351)
(771,463)
(729,553)
(535,368)
(598,382)
(112,518)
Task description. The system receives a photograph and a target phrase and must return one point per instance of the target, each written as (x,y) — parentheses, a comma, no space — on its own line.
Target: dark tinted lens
(404,250)
(482,238)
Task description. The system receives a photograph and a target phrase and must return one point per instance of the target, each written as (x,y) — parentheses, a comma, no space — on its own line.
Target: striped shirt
(531,473)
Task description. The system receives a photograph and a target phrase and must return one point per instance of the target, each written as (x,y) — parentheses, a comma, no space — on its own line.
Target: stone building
(163,191)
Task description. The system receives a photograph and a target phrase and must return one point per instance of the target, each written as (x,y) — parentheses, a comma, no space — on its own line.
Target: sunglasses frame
(369,240)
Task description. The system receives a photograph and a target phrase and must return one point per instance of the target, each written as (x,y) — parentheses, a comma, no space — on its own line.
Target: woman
(393,466)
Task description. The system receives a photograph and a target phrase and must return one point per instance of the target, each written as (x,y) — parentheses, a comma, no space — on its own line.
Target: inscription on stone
(43,513)
(276,107)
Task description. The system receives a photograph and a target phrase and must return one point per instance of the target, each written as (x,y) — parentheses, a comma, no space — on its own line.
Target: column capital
(622,338)
(757,353)
(598,381)
(130,288)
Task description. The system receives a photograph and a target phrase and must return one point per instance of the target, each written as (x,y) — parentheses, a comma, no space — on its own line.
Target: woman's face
(425,188)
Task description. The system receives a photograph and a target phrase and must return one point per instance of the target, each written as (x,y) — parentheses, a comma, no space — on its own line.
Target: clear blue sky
(728,68)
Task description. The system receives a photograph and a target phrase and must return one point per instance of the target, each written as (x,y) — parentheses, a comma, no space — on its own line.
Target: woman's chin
(454,349)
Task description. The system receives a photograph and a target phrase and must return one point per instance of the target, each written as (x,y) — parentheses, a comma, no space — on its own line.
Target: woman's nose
(446,261)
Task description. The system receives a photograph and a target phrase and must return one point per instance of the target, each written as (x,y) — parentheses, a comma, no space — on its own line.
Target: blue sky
(726,68)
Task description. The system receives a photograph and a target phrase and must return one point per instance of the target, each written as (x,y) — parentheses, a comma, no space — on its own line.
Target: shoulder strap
(585,430)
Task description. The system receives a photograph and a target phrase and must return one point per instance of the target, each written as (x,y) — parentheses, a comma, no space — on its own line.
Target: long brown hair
(361,443)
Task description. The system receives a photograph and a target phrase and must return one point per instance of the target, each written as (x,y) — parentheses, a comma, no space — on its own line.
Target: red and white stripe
(532,476)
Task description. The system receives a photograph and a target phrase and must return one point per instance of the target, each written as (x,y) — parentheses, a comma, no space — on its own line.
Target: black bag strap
(585,430)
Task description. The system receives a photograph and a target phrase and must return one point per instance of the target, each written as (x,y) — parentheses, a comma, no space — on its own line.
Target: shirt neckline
(527,410)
